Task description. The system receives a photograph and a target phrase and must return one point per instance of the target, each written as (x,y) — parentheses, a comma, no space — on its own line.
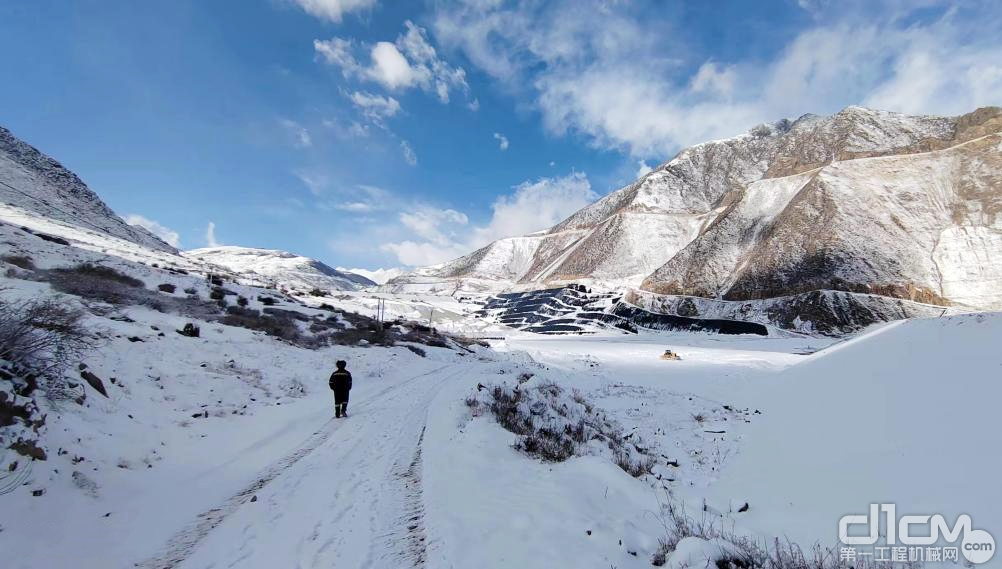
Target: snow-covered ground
(221,450)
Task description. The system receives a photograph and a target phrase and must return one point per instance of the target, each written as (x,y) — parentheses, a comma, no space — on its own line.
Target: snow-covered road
(348,497)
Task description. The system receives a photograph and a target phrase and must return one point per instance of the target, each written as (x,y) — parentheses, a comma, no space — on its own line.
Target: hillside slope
(33,182)
(922,226)
(903,415)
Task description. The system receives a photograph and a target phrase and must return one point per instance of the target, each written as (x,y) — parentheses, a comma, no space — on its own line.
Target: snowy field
(411,479)
(221,450)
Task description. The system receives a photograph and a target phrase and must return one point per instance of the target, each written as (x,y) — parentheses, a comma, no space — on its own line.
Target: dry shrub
(42,336)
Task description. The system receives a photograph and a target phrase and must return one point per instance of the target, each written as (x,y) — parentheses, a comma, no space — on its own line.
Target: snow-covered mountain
(32,182)
(863,201)
(280,268)
(379,276)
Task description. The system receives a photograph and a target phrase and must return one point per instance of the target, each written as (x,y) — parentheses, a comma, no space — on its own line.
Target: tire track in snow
(409,540)
(183,543)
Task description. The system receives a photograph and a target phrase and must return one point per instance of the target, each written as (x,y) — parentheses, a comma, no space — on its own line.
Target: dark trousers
(340,403)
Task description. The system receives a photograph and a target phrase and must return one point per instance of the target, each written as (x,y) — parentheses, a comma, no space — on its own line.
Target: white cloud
(643,169)
(409,62)
(300,135)
(413,254)
(502,140)
(357,207)
(361,199)
(349,130)
(390,67)
(714,79)
(409,156)
(592,68)
(437,235)
(338,51)
(534,206)
(428,223)
(333,10)
(434,235)
(474,105)
(210,235)
(315,182)
(168,235)
(375,107)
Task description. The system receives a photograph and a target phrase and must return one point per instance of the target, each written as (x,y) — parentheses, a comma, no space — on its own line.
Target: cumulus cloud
(437,235)
(338,52)
(210,235)
(534,206)
(391,68)
(168,235)
(409,156)
(714,79)
(502,140)
(409,62)
(592,68)
(333,10)
(415,254)
(429,223)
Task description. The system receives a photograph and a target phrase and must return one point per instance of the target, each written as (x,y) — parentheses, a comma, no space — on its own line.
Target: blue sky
(375,133)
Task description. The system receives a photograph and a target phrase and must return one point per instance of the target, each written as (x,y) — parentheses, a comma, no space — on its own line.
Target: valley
(673,376)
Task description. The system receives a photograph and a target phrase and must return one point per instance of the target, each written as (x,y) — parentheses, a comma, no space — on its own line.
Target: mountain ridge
(726,218)
(33,181)
(281,268)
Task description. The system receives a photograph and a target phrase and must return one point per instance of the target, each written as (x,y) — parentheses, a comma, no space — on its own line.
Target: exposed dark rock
(94,381)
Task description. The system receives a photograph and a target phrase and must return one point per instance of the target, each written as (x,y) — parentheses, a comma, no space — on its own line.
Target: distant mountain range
(378,276)
(863,202)
(280,268)
(822,224)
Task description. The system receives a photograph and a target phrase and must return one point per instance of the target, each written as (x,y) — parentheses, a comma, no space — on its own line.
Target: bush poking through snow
(701,543)
(19,261)
(96,282)
(167,287)
(39,339)
(554,426)
(635,467)
(42,336)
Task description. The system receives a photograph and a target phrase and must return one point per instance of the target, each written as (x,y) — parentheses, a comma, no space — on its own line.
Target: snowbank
(908,415)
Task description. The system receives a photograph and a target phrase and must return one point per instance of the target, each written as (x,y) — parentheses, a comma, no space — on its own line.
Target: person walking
(340,383)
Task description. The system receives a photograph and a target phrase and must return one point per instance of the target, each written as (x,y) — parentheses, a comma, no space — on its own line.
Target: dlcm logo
(977,546)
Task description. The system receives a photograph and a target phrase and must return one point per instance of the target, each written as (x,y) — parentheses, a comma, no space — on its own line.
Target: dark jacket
(340,383)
